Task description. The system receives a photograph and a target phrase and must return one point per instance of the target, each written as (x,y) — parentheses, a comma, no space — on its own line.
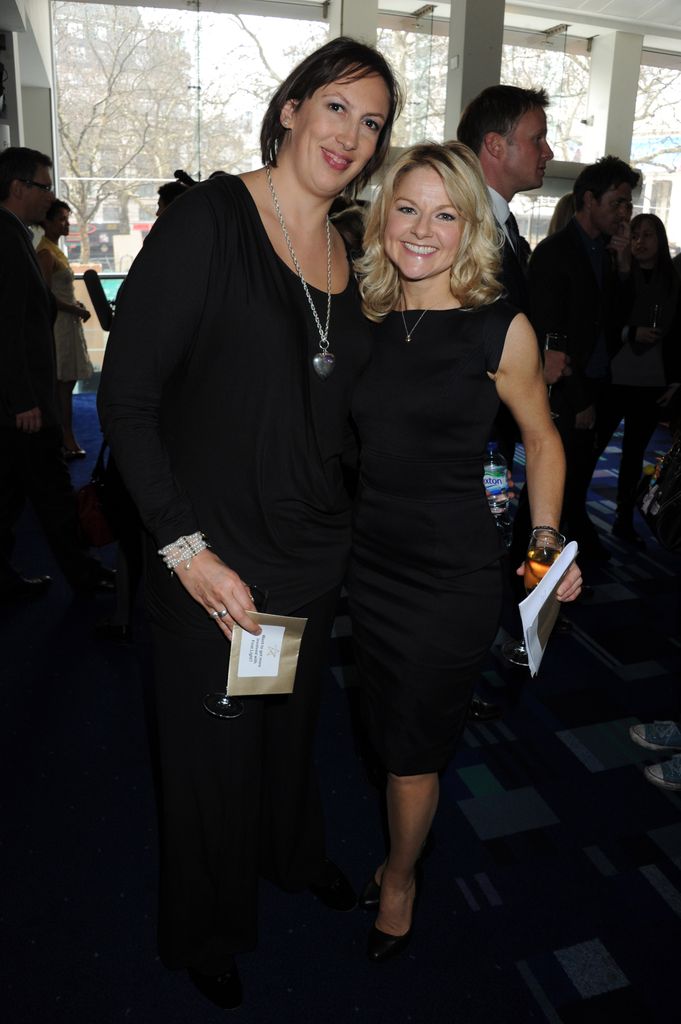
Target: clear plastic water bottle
(495,480)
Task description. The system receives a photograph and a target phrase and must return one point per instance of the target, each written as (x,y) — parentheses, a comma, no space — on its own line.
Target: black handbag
(659,498)
(95,526)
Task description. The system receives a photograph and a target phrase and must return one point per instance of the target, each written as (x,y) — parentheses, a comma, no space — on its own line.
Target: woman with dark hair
(646,371)
(73,361)
(168,193)
(425,579)
(226,403)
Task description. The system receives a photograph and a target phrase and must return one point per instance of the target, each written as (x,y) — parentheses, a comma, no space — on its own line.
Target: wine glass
(542,551)
(554,342)
(221,704)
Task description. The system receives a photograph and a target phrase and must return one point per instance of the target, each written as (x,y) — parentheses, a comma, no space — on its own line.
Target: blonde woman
(563,211)
(73,361)
(425,579)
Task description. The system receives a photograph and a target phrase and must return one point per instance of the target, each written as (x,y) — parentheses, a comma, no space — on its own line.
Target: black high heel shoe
(370,896)
(382,946)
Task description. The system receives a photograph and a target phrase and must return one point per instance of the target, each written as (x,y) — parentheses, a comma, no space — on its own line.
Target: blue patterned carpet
(553,892)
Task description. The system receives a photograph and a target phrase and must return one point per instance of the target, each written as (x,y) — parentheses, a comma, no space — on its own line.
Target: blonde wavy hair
(474,276)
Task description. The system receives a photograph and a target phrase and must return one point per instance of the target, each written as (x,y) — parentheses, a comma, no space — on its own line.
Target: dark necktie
(513,233)
(520,246)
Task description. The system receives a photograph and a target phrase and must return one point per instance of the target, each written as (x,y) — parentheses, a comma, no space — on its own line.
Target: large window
(142,92)
(417,49)
(656,143)
(559,64)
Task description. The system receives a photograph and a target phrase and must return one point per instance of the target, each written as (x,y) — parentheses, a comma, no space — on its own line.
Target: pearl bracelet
(183,550)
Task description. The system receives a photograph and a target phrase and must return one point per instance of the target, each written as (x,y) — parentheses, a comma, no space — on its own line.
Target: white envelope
(540,609)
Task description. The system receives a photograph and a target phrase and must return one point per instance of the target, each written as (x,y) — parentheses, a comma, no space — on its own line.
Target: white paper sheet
(265,665)
(259,655)
(539,610)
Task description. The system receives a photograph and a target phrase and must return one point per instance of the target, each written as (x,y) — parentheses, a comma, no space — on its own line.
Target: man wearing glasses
(31,465)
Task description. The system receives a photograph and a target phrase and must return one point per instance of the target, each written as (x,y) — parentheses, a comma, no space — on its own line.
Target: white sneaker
(657,735)
(666,774)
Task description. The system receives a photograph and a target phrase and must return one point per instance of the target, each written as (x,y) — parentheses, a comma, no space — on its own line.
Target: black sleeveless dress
(425,578)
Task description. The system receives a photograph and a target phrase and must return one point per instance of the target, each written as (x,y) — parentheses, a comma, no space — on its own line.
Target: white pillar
(38,130)
(356,18)
(611,105)
(12,116)
(476,33)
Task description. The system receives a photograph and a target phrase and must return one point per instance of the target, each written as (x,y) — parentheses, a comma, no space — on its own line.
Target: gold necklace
(324,362)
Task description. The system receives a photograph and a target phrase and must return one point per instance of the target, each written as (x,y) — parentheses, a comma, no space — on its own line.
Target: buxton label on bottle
(495,481)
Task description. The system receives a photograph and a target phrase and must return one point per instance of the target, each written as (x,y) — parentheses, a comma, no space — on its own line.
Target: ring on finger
(223,614)
(213,614)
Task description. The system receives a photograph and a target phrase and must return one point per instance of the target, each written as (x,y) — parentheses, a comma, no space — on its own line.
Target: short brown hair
(608,172)
(341,59)
(56,206)
(18,163)
(497,109)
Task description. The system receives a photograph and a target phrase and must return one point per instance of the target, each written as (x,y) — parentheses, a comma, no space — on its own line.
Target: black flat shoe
(371,895)
(337,893)
(483,710)
(101,581)
(381,946)
(224,990)
(106,581)
(25,588)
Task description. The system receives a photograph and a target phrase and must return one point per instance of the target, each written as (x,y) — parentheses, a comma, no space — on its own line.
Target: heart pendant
(324,364)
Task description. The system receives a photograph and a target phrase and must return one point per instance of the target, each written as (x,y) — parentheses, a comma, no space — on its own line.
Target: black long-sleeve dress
(218,423)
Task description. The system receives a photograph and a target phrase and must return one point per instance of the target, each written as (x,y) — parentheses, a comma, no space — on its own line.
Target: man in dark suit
(31,465)
(578,287)
(506,127)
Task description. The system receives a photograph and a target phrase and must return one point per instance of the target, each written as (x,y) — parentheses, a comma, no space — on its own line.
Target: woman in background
(73,361)
(425,581)
(563,211)
(646,371)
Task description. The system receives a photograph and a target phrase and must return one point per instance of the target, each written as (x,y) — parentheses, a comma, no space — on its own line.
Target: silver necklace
(324,362)
(408,333)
